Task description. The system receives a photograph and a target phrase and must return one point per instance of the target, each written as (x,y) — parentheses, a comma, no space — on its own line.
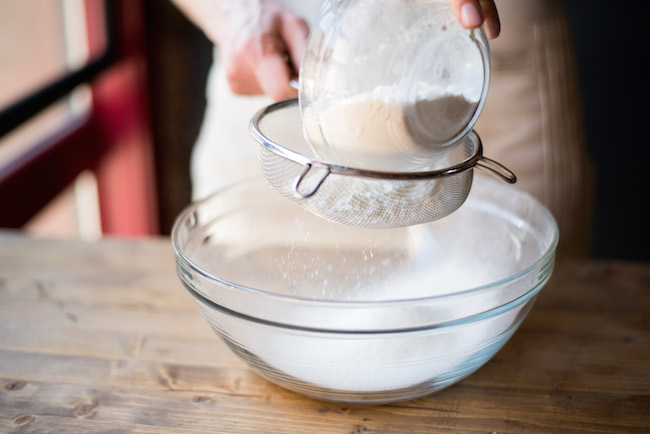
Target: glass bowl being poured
(391,85)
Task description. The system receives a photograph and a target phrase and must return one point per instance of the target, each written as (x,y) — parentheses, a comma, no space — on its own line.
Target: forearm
(221,19)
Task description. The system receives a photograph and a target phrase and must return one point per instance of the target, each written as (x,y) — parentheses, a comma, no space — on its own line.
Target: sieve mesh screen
(356,197)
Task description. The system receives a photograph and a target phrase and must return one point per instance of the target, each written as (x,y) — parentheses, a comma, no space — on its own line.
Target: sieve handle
(296,185)
(496,168)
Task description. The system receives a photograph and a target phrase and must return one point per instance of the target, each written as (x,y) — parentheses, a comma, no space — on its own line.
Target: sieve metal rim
(301,159)
(475,160)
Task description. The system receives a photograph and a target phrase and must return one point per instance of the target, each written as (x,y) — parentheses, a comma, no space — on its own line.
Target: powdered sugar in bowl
(391,85)
(364,316)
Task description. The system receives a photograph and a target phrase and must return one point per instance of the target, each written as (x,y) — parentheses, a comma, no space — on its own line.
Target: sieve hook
(296,185)
(497,169)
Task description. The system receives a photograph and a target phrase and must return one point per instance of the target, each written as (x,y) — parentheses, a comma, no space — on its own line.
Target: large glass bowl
(364,316)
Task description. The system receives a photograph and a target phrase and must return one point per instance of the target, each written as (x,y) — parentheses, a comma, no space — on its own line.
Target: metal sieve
(359,197)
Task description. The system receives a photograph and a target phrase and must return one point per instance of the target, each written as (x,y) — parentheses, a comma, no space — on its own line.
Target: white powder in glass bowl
(378,131)
(406,264)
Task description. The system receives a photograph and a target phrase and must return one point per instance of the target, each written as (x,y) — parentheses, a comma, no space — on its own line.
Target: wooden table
(99,337)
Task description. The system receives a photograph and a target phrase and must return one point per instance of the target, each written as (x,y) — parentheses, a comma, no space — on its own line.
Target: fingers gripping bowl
(356,315)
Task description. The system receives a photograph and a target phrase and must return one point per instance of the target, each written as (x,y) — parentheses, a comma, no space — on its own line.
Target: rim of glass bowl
(348,316)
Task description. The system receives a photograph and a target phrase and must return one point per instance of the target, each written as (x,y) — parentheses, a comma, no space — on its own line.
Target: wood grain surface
(102,337)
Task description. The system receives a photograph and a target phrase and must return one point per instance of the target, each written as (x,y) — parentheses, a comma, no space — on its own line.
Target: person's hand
(261,42)
(474,13)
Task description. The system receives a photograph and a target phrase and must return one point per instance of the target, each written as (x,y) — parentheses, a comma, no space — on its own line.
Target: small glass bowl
(391,85)
(364,316)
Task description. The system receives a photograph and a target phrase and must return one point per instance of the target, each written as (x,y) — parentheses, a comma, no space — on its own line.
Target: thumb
(475,13)
(468,12)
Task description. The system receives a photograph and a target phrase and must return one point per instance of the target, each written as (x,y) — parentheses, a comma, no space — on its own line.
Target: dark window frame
(114,141)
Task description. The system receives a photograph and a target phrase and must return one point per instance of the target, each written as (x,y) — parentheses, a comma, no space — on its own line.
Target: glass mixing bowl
(362,316)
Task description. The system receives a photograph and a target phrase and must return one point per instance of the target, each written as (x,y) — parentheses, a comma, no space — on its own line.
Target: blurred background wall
(613,50)
(180,57)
